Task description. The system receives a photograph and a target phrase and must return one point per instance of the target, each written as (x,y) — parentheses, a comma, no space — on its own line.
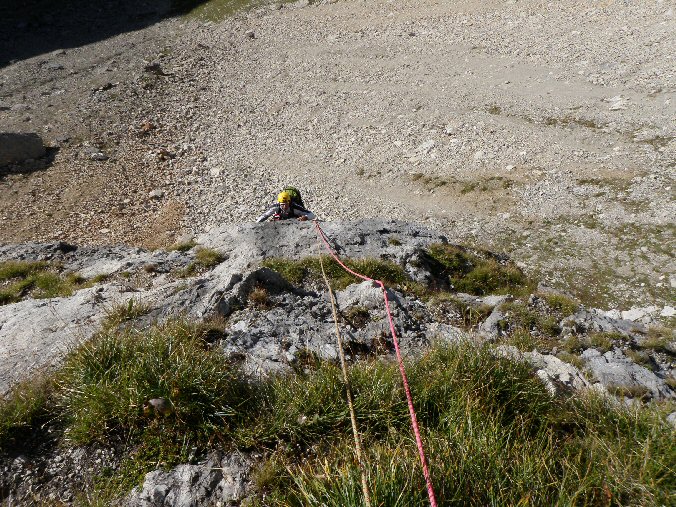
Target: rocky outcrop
(16,148)
(622,376)
(288,321)
(270,324)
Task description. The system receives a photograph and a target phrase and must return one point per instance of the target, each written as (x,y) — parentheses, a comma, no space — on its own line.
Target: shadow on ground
(34,27)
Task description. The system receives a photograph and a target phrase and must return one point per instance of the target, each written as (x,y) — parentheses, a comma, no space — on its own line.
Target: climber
(286,208)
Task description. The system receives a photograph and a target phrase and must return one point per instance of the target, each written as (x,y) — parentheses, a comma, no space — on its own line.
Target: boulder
(219,480)
(621,376)
(16,147)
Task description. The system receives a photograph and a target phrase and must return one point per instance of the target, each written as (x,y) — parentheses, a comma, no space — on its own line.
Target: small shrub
(125,312)
(105,383)
(523,340)
(24,408)
(639,357)
(205,259)
(357,316)
(36,279)
(259,297)
(394,241)
(308,270)
(475,274)
(20,269)
(658,339)
(521,316)
(573,344)
(449,308)
(629,391)
(208,258)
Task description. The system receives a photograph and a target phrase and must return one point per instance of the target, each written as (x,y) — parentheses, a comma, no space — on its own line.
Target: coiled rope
(402,370)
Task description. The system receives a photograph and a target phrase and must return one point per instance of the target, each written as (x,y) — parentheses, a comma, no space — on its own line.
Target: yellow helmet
(284,197)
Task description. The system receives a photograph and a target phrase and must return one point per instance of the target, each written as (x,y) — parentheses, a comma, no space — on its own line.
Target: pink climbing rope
(402,370)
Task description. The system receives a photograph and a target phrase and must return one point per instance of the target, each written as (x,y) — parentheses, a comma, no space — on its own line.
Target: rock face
(20,147)
(219,480)
(38,333)
(622,376)
(271,325)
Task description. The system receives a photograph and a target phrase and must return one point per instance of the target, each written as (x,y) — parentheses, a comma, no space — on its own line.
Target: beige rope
(348,388)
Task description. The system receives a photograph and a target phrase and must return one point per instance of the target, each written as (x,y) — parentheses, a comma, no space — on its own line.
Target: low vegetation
(478,273)
(493,434)
(308,271)
(21,279)
(205,259)
(455,268)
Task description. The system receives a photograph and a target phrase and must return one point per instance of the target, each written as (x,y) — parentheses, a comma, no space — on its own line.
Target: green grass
(492,433)
(182,247)
(308,271)
(125,312)
(205,259)
(21,279)
(521,317)
(20,269)
(25,407)
(562,306)
(446,307)
(477,273)
(658,339)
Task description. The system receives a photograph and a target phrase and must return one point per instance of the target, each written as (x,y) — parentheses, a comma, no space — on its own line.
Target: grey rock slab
(593,320)
(38,332)
(490,328)
(219,480)
(251,242)
(617,372)
(91,261)
(671,419)
(17,147)
(557,373)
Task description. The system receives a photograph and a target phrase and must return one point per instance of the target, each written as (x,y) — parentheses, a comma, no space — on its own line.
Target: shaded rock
(491,328)
(38,332)
(20,147)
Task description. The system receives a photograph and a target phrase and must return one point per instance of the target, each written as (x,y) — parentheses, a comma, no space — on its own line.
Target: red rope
(402,370)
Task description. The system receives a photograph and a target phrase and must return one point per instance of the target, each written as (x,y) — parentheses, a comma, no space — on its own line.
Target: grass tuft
(205,259)
(475,274)
(21,279)
(308,271)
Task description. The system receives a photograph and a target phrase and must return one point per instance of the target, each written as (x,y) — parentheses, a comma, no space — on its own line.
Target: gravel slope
(543,130)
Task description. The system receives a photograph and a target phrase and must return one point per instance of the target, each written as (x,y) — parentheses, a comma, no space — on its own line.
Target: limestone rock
(219,480)
(623,377)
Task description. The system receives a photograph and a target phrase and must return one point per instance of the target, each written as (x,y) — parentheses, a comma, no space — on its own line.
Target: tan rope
(348,388)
